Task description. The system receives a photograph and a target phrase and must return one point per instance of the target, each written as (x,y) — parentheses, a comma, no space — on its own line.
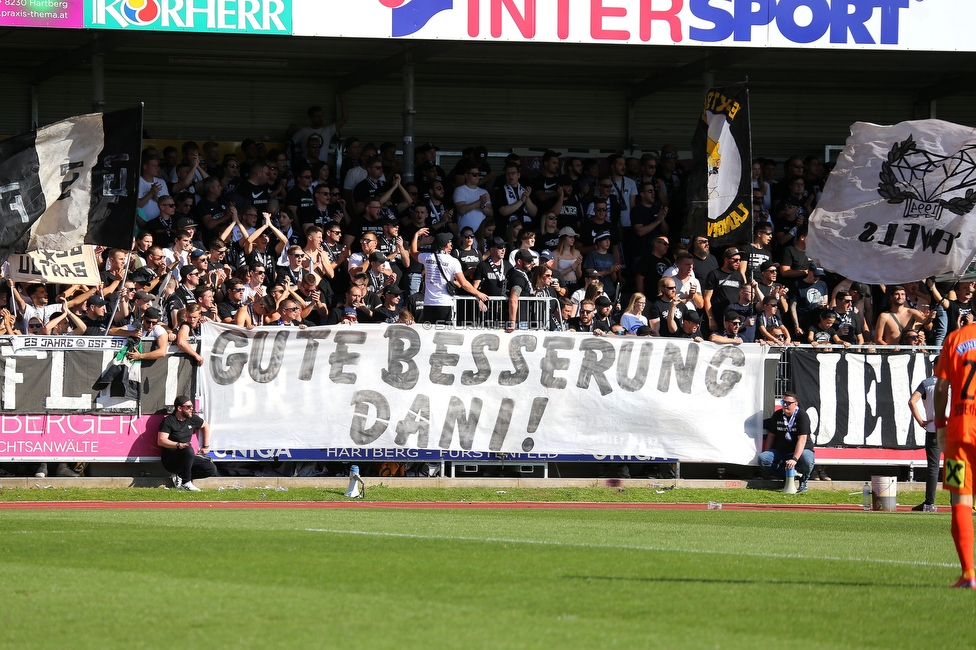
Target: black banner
(720,186)
(61,382)
(46,201)
(860,400)
(115,181)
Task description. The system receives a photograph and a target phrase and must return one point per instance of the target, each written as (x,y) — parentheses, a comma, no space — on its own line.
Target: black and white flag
(70,183)
(720,196)
(897,207)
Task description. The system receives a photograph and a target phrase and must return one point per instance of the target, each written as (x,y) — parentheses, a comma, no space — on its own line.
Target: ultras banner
(720,188)
(897,207)
(860,400)
(396,386)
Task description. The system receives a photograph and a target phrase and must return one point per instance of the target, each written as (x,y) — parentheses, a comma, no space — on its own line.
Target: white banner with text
(397,386)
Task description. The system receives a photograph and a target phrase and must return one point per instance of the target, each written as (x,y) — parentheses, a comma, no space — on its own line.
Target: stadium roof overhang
(353,62)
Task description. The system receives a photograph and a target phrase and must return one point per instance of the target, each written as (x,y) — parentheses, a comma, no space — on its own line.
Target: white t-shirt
(151,210)
(435,289)
(301,135)
(473,218)
(354,177)
(43,314)
(511,256)
(629,188)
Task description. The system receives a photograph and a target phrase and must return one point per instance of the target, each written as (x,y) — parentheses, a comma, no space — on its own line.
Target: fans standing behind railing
(440,271)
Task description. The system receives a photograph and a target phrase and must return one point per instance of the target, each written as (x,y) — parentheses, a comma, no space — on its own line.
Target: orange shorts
(959,467)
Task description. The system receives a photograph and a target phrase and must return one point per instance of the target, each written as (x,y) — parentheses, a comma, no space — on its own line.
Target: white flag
(897,206)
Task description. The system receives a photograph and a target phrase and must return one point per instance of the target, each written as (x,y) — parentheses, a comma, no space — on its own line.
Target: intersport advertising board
(941,25)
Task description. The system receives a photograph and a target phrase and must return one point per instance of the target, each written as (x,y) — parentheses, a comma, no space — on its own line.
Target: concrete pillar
(408,118)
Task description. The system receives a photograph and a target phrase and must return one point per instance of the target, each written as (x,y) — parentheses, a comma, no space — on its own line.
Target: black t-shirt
(543,183)
(383,315)
(95,327)
(494,277)
(756,257)
(785,434)
(794,258)
(704,266)
(652,268)
(312,215)
(957,313)
(576,325)
(367,189)
(572,214)
(253,195)
(546,241)
(642,215)
(821,335)
(725,290)
(180,430)
(658,310)
(227,309)
(591,230)
(849,325)
(299,197)
(469,259)
(163,232)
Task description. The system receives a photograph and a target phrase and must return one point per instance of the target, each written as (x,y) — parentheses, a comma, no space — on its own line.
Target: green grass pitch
(526,578)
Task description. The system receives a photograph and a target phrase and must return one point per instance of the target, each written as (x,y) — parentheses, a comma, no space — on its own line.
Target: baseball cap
(97,301)
(198,253)
(568,232)
(497,242)
(142,295)
(768,264)
(732,316)
(605,235)
(393,290)
(427,146)
(151,313)
(602,301)
(185,222)
(546,254)
(817,271)
(591,273)
(693,317)
(524,256)
(731,252)
(480,152)
(142,275)
(443,239)
(377,256)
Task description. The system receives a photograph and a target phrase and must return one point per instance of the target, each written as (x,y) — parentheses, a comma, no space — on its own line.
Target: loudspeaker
(357,489)
(790,487)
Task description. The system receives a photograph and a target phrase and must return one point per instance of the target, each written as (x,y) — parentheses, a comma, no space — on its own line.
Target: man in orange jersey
(957,438)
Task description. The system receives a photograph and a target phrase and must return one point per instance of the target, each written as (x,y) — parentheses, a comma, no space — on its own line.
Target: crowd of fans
(280,237)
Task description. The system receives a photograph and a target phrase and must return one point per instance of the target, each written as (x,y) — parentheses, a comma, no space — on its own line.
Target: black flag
(70,183)
(720,188)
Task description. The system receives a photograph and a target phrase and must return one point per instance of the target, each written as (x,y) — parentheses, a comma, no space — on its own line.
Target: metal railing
(541,313)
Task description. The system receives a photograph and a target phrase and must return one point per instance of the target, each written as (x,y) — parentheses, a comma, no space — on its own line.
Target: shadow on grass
(752,581)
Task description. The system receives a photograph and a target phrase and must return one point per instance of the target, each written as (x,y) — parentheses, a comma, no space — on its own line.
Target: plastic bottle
(866,494)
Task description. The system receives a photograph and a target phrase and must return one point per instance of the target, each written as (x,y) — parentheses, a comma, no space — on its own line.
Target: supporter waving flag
(897,207)
(720,196)
(70,183)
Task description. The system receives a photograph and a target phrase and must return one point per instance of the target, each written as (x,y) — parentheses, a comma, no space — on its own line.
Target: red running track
(473,505)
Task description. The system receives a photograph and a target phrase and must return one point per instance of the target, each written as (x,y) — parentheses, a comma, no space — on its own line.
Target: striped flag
(70,183)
